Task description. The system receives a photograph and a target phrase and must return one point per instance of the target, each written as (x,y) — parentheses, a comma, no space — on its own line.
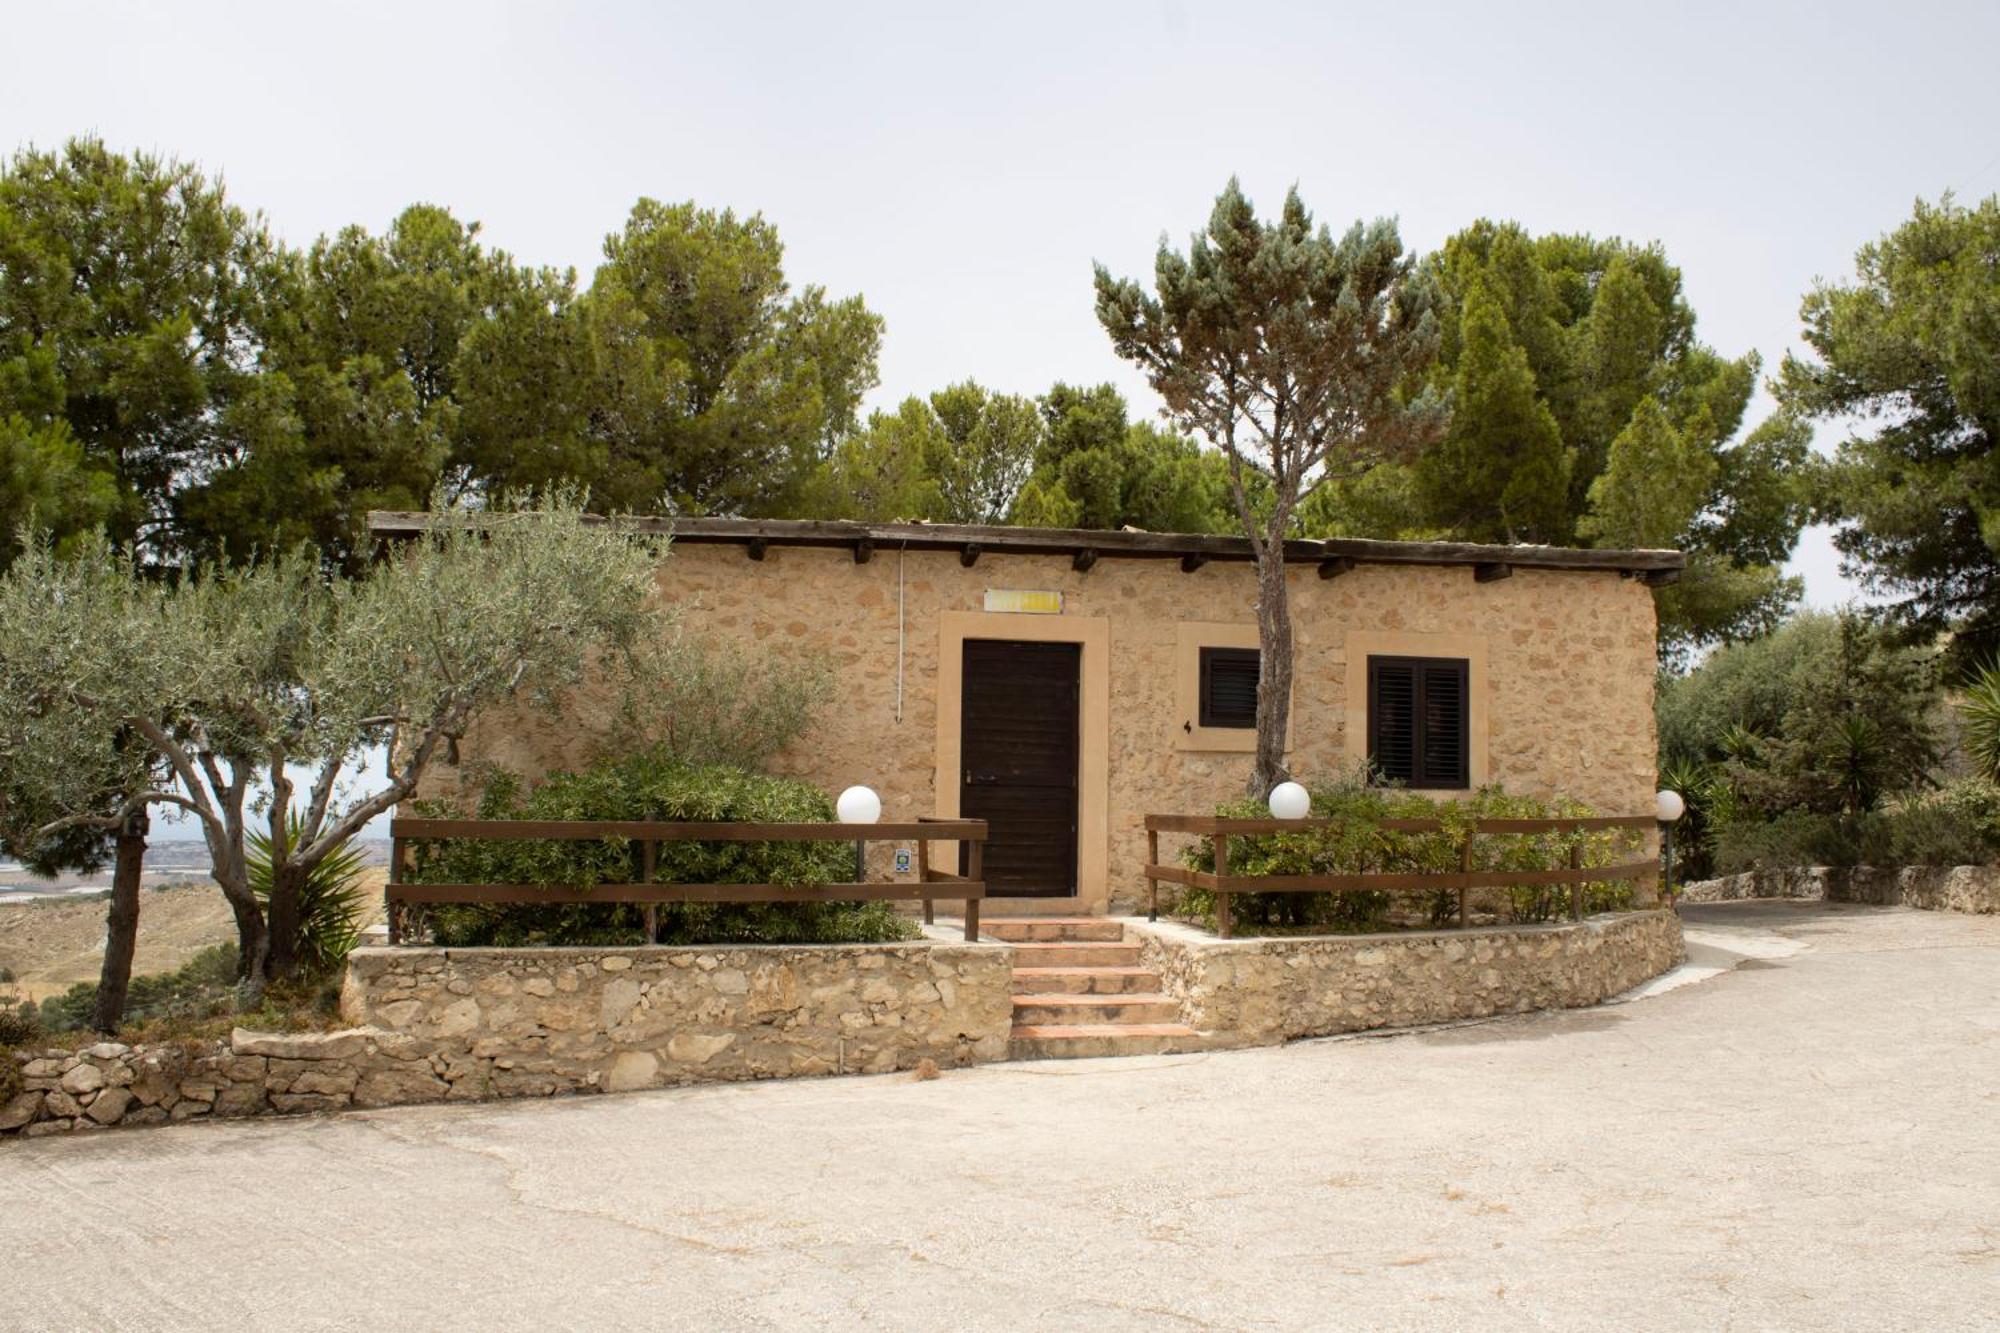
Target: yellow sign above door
(1024,600)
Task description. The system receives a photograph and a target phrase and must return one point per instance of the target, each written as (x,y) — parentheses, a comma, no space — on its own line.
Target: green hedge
(1954,825)
(648,786)
(1360,845)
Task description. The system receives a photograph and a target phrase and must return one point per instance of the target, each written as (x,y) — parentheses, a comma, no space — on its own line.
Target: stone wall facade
(1973,889)
(1258,992)
(1566,707)
(436,1025)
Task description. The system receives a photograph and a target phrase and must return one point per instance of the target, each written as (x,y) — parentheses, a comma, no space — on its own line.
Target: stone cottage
(1063,684)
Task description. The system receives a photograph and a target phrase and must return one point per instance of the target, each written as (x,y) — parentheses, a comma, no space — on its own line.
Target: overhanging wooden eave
(1192,549)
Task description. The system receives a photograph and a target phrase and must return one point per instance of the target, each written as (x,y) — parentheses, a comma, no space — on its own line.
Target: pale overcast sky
(962,169)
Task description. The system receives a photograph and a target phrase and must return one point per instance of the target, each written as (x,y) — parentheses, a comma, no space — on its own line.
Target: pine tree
(1501,472)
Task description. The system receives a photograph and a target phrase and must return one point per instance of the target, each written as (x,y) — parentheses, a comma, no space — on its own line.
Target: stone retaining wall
(461,1024)
(1973,889)
(1257,992)
(531,1021)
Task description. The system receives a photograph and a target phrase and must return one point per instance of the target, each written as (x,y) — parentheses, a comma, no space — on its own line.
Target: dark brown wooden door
(1018,752)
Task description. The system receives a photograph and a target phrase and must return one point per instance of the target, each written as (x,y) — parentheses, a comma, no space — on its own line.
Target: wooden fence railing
(931,884)
(1223,884)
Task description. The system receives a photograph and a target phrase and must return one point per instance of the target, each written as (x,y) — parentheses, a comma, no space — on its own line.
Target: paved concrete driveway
(1809,1140)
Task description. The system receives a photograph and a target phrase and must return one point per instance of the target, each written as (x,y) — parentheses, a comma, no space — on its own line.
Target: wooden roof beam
(1335,565)
(1492,571)
(1192,549)
(1083,560)
(968,555)
(1192,561)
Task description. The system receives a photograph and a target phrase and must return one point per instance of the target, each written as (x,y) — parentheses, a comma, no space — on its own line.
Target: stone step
(1049,929)
(1072,1010)
(1071,1041)
(1084,980)
(1075,953)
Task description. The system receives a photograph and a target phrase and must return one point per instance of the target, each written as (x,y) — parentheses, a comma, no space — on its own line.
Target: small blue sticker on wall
(902,860)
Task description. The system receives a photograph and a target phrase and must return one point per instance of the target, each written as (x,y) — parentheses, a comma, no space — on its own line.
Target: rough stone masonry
(1257,992)
(464,1024)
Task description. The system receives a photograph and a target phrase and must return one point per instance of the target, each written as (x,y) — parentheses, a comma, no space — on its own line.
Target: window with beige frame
(1424,700)
(1214,665)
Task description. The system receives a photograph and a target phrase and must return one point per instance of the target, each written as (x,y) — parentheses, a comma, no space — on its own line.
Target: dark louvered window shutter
(1229,687)
(1418,723)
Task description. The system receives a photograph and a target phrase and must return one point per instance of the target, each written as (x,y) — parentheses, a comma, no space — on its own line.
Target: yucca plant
(1979,709)
(330,899)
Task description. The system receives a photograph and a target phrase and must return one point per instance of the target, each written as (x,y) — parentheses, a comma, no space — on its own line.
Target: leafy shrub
(202,987)
(651,785)
(20,1024)
(1360,844)
(709,701)
(1957,824)
(1799,838)
(331,903)
(1825,714)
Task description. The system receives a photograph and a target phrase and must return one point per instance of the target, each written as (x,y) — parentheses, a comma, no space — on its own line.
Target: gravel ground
(1807,1139)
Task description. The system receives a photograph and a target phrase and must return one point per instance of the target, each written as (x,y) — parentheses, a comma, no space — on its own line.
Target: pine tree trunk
(1274,672)
(121,927)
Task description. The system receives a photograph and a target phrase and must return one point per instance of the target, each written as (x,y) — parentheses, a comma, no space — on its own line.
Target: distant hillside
(167,862)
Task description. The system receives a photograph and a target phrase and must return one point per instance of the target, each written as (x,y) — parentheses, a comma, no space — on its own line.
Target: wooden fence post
(1152,885)
(924,877)
(975,858)
(391,910)
(648,864)
(1464,868)
(1223,925)
(1576,886)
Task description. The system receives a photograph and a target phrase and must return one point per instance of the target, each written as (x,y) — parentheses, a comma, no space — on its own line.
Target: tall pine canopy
(1559,352)
(1908,354)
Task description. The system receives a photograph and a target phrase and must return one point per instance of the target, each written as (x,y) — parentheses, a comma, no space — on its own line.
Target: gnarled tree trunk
(121,926)
(281,918)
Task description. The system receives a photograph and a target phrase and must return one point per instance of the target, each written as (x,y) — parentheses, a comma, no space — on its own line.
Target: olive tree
(234,679)
(99,773)
(1289,350)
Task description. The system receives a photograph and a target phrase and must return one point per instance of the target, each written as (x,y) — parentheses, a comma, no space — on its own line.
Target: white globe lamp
(858,805)
(1289,800)
(1668,807)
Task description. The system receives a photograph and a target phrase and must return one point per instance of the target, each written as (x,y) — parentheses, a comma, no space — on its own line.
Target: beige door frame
(1093,779)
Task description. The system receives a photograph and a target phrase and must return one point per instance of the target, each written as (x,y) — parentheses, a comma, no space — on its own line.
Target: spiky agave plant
(1979,710)
(330,901)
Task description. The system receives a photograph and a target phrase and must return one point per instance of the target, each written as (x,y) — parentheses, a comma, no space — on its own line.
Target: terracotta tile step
(1077,953)
(1070,1041)
(1027,929)
(1084,980)
(1060,1010)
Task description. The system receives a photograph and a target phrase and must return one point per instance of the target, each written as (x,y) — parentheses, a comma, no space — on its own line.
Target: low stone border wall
(1974,889)
(528,1021)
(1259,992)
(462,1024)
(249,1073)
